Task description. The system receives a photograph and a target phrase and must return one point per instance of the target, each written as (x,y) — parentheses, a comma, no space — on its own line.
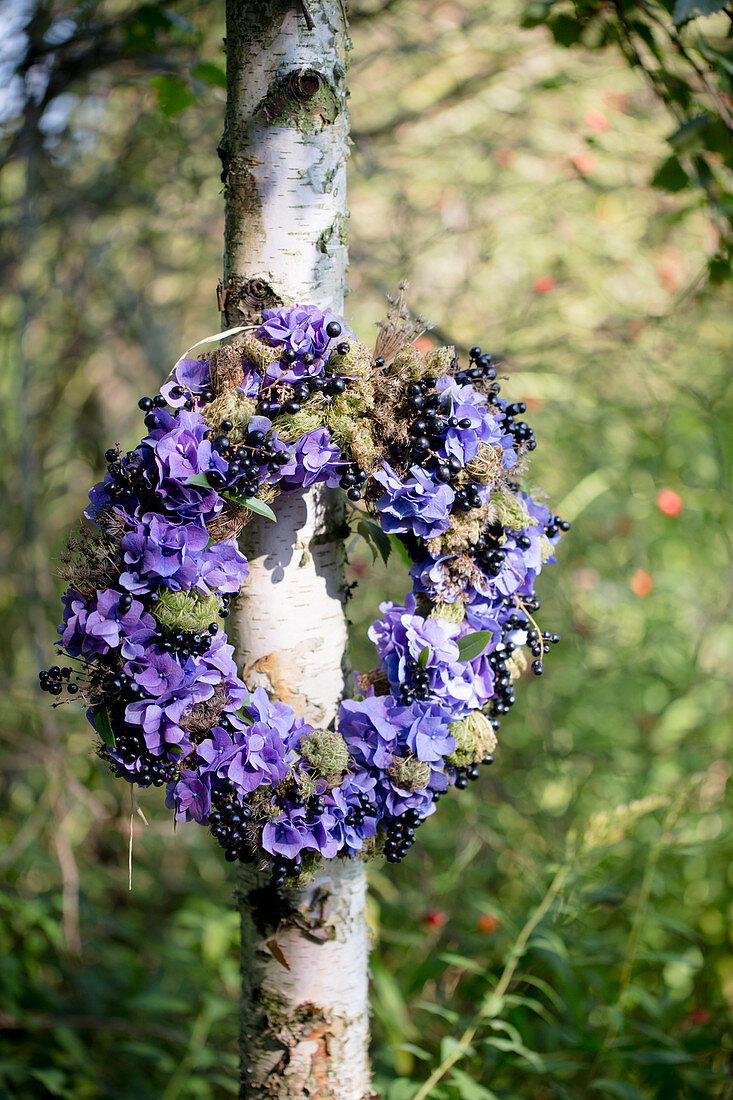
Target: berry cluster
(400,835)
(54,679)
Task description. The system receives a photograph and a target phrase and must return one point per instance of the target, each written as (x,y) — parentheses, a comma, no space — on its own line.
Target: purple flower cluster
(302,331)
(419,504)
(313,458)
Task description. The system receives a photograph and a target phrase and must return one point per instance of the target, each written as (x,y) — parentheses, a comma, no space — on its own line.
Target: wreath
(425,447)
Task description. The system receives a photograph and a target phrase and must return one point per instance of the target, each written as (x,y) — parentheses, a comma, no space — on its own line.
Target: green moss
(326,751)
(475,739)
(452,612)
(511,511)
(409,773)
(185,610)
(438,362)
(546,548)
(338,232)
(409,364)
(233,406)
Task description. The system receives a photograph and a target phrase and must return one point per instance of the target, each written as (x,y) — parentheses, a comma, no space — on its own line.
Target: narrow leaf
(103,726)
(198,479)
(253,504)
(472,645)
(375,538)
(611,1087)
(423,658)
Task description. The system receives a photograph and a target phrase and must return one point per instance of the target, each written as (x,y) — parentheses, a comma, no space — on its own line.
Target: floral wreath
(435,455)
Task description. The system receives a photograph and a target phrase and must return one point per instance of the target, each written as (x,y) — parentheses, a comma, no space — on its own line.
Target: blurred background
(553,181)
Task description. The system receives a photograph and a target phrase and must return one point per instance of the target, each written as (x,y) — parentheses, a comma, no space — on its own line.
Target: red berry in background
(435,918)
(596,120)
(584,162)
(487,923)
(669,502)
(641,583)
(699,1017)
(543,284)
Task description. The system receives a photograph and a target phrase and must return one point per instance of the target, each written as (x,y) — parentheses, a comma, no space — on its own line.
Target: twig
(309,22)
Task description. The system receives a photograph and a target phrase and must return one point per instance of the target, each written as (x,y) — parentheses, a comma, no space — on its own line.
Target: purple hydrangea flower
(302,329)
(463,442)
(367,728)
(190,796)
(93,629)
(181,451)
(313,458)
(157,551)
(71,628)
(222,567)
(293,833)
(191,375)
(178,556)
(419,504)
(352,805)
(401,636)
(249,756)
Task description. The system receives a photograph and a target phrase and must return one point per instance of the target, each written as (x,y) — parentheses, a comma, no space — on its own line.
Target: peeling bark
(304,1017)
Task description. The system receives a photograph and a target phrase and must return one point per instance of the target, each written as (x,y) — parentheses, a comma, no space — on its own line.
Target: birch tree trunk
(304,1016)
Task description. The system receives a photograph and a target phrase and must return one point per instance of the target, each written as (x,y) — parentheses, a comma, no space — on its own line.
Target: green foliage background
(510,181)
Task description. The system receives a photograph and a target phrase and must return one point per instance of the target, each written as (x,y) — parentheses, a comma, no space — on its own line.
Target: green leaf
(469,1089)
(210,73)
(611,1087)
(686,137)
(452,959)
(423,658)
(253,504)
(173,95)
(671,176)
(565,30)
(719,270)
(512,1046)
(375,538)
(688,9)
(400,550)
(103,726)
(472,645)
(198,479)
(423,1055)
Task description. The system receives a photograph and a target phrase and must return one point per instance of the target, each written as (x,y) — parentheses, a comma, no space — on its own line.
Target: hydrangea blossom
(179,557)
(301,329)
(462,442)
(93,629)
(313,458)
(190,375)
(418,505)
(190,796)
(182,451)
(401,636)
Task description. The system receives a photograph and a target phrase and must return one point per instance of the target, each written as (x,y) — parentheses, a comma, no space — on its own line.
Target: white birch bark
(304,1015)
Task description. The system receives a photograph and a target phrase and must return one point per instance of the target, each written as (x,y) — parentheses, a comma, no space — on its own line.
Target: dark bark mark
(303,98)
(243,300)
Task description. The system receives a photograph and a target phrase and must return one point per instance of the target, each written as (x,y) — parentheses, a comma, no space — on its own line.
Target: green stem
(491,1004)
